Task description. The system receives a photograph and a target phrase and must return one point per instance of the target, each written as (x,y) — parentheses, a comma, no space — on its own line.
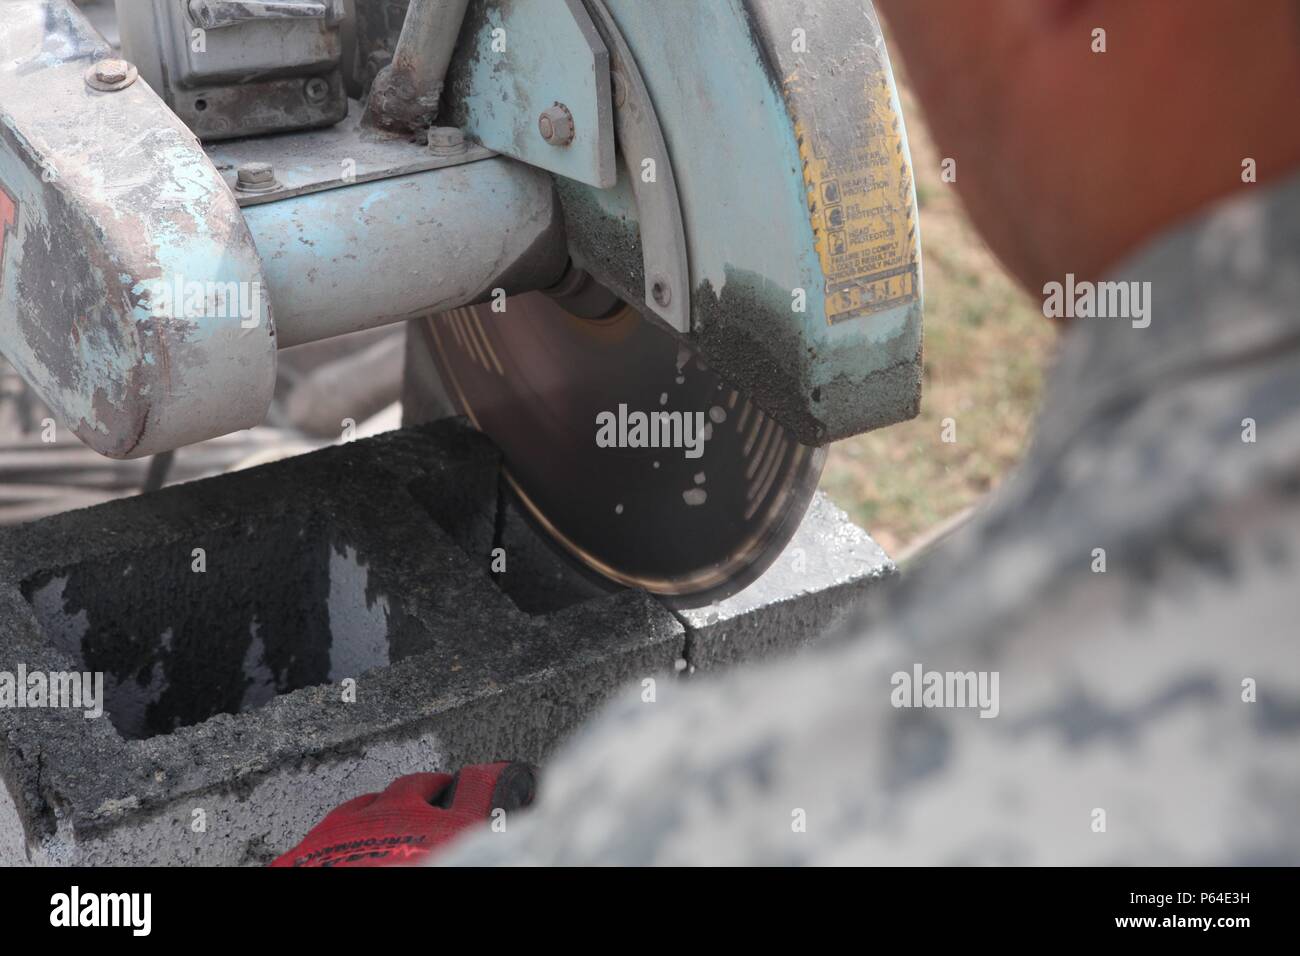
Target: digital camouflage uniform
(1120,691)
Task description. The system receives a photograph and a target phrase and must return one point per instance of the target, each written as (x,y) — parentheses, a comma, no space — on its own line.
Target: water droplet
(717,415)
(695,497)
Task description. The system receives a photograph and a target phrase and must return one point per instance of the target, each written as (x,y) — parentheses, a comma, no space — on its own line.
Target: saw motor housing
(737,169)
(250,175)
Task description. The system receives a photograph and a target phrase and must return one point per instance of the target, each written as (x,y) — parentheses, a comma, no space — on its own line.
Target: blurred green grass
(987,347)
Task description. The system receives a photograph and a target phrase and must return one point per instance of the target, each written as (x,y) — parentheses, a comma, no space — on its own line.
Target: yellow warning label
(862,201)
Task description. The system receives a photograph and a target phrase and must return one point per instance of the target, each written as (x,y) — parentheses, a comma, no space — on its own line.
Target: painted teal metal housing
(373,253)
(737,93)
(134,299)
(131,295)
(519,57)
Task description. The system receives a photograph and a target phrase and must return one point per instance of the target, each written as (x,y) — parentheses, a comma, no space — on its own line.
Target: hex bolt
(256,178)
(111,75)
(556,125)
(316,90)
(112,71)
(446,141)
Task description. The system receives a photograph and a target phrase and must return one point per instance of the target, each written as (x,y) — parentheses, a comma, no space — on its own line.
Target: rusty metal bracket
(332,158)
(406,93)
(234,68)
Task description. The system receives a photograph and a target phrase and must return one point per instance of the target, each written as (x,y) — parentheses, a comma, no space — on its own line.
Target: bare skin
(1069,160)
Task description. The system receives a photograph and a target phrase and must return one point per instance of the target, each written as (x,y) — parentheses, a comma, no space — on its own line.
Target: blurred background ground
(987,347)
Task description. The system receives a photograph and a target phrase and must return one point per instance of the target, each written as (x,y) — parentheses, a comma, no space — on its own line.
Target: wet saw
(662,251)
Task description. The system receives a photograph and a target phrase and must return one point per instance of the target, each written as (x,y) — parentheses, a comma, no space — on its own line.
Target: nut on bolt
(446,141)
(556,125)
(256,178)
(111,75)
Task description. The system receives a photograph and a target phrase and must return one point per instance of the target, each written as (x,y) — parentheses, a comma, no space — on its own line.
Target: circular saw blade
(540,381)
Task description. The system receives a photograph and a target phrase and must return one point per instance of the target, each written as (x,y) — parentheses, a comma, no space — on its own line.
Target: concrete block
(827,568)
(277,641)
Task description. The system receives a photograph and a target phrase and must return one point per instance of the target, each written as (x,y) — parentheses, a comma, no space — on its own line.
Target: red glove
(414,816)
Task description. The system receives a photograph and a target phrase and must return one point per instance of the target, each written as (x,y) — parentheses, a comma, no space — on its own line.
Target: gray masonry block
(829,566)
(227,732)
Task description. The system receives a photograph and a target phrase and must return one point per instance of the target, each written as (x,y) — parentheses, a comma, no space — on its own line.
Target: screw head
(111,75)
(556,125)
(256,178)
(316,90)
(446,141)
